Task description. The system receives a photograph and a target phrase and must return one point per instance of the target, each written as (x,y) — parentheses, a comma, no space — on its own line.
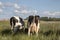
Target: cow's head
(17,27)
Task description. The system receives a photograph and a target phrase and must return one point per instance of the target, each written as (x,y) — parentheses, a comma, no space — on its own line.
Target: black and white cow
(33,24)
(16,23)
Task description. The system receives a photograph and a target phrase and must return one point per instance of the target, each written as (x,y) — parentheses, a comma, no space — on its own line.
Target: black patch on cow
(37,19)
(13,20)
(31,19)
(21,21)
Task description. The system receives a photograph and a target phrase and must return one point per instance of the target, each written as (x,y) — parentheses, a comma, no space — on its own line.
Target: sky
(24,8)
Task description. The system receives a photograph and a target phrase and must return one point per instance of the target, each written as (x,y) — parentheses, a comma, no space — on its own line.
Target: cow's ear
(37,16)
(31,16)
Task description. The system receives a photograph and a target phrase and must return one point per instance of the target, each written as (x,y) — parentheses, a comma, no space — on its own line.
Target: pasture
(49,30)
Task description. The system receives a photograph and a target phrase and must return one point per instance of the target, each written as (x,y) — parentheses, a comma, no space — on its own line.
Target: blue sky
(24,8)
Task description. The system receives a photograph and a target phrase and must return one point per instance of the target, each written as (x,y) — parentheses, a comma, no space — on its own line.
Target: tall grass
(49,30)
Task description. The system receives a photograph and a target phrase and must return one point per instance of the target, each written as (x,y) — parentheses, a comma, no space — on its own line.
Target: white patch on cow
(18,24)
(38,25)
(17,18)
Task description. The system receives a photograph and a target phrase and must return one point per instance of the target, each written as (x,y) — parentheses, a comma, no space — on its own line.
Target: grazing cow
(33,24)
(16,23)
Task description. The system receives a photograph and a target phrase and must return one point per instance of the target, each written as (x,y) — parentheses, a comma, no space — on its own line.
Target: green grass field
(49,30)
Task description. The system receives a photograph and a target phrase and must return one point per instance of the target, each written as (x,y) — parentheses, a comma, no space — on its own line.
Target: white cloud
(16,6)
(49,13)
(16,11)
(46,12)
(0,3)
(34,11)
(1,10)
(28,11)
(57,12)
(24,11)
(8,4)
(19,9)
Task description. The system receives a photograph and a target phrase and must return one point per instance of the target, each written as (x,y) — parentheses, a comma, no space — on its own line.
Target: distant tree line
(48,19)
